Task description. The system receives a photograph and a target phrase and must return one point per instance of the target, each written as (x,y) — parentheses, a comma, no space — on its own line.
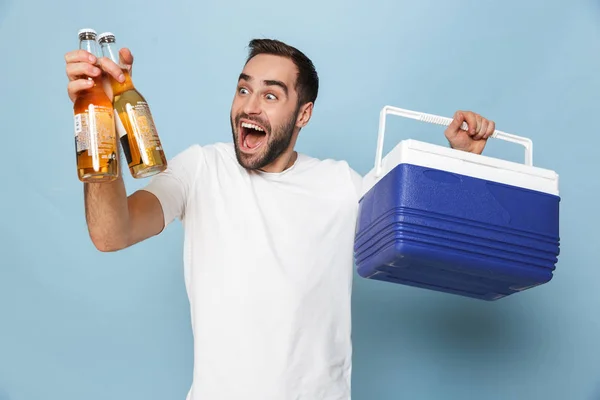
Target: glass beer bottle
(96,143)
(134,123)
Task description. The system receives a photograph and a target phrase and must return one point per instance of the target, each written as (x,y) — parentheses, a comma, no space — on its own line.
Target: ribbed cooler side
(430,228)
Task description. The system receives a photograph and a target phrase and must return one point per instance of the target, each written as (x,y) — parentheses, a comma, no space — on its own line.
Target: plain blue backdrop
(79,324)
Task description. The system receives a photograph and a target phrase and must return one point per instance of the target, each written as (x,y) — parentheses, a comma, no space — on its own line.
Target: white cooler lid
(469,164)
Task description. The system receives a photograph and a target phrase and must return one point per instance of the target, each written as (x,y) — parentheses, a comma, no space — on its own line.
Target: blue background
(76,323)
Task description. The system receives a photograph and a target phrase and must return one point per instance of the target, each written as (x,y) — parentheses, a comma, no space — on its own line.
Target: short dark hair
(307,82)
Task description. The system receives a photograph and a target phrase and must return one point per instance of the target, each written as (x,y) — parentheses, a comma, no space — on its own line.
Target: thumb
(454,126)
(126,58)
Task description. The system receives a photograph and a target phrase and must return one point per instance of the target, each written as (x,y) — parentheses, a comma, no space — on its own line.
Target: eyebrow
(268,82)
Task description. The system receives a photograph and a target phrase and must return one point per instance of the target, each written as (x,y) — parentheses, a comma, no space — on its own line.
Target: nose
(252,105)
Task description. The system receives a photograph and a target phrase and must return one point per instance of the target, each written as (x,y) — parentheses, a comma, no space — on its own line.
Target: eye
(271,96)
(243,91)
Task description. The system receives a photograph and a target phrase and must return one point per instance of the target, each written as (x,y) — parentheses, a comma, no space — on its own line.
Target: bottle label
(95,132)
(82,136)
(143,125)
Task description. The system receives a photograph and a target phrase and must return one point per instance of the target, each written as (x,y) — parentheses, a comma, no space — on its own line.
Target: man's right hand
(81,64)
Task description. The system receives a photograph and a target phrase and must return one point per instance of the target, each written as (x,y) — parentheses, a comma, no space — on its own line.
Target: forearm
(107,214)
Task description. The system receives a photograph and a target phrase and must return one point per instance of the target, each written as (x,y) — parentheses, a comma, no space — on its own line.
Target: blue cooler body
(457,222)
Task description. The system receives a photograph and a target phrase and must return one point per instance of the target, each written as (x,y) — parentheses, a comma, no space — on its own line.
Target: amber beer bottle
(96,143)
(134,123)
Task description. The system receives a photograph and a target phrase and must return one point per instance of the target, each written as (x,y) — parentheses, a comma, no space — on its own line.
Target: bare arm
(116,221)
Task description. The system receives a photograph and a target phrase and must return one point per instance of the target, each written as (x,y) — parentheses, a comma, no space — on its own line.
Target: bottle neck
(91,46)
(109,50)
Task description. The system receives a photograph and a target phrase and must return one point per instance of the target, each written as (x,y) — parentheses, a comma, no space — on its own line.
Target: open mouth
(253,136)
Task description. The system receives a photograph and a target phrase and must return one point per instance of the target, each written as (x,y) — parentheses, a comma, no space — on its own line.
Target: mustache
(258,121)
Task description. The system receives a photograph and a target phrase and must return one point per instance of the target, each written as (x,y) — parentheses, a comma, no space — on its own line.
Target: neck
(283,162)
(285,159)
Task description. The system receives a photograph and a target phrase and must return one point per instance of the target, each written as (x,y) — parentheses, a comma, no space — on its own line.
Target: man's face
(264,110)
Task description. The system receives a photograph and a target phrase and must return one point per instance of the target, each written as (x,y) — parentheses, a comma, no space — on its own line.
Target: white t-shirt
(268,270)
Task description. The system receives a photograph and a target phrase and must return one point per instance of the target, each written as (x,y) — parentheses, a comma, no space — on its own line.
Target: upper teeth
(247,125)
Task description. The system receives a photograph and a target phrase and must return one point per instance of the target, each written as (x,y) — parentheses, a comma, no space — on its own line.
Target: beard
(278,140)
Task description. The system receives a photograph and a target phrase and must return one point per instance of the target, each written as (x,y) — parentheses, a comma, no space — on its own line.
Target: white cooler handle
(435,119)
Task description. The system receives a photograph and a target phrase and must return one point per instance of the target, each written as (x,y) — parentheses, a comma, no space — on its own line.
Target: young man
(269,234)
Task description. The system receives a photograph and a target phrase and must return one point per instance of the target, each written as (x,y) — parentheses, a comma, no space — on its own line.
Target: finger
(74,87)
(125,56)
(77,56)
(490,129)
(111,68)
(82,69)
(483,125)
(126,59)
(454,127)
(472,122)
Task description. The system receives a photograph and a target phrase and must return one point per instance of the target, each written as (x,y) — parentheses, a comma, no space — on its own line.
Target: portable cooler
(456,222)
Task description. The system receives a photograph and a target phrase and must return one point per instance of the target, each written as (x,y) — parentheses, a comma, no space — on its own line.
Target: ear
(304,115)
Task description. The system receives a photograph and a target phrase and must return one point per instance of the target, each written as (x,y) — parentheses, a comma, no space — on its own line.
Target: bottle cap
(106,37)
(86,30)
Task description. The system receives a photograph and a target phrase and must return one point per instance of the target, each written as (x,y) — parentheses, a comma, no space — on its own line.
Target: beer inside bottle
(96,143)
(135,126)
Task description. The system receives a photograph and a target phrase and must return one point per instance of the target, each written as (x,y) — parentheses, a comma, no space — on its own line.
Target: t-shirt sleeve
(357,181)
(173,186)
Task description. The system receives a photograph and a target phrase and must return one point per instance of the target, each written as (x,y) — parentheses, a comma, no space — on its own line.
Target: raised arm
(115,221)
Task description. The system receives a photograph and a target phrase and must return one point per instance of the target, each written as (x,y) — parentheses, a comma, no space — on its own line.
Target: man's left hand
(473,140)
